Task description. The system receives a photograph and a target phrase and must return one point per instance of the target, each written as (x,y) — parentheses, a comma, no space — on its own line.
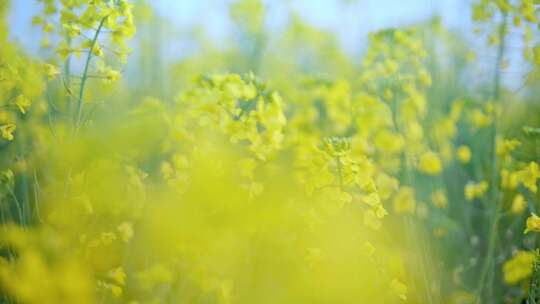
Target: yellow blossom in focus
(7,131)
(532,224)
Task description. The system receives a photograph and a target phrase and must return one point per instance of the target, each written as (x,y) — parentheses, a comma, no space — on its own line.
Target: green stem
(85,76)
(494,191)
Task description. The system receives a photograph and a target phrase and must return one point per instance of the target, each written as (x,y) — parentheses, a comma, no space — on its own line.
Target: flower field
(275,167)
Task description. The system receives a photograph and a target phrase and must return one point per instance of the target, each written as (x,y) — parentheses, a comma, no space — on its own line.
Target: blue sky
(350,20)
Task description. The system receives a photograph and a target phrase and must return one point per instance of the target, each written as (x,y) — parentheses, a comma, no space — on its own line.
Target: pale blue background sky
(350,20)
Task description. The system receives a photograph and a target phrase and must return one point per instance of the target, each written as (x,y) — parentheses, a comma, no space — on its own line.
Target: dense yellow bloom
(519,267)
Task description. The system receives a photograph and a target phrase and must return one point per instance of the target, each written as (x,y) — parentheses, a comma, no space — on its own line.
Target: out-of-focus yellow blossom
(506,146)
(118,276)
(430,163)
(399,289)
(475,190)
(439,199)
(529,175)
(126,231)
(509,180)
(72,30)
(519,204)
(97,50)
(519,267)
(404,201)
(371,220)
(117,291)
(67,278)
(368,249)
(22,102)
(51,71)
(479,119)
(154,275)
(532,224)
(464,154)
(389,142)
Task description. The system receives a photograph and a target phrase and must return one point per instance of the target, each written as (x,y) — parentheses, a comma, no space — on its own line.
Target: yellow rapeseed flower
(475,190)
(529,175)
(532,224)
(404,201)
(464,154)
(430,163)
(518,204)
(23,103)
(519,267)
(7,131)
(51,71)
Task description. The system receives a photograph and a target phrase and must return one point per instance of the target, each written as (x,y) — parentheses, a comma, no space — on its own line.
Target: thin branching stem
(487,267)
(84,77)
